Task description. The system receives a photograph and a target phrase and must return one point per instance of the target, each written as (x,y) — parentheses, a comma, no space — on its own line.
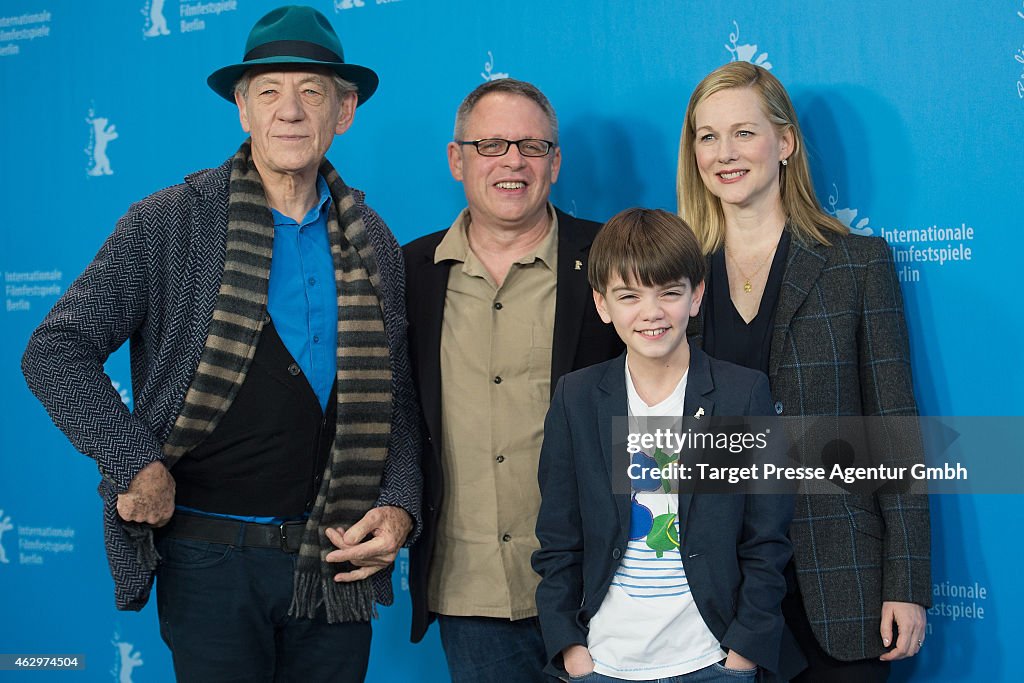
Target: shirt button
(316,339)
(778,407)
(498,306)
(616,554)
(312,280)
(507,538)
(497,380)
(500,458)
(293,369)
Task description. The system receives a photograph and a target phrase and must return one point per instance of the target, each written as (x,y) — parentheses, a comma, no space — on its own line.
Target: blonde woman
(792,293)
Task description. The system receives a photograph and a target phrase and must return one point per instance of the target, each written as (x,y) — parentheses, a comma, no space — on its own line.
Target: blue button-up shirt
(302,298)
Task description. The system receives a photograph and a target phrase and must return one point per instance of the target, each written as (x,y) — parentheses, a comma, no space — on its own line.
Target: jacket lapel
(802,270)
(698,407)
(572,294)
(428,317)
(697,402)
(612,403)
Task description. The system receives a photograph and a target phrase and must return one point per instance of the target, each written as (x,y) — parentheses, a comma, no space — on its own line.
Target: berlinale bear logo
(847,216)
(127,660)
(156,23)
(5,525)
(746,52)
(100,135)
(489,74)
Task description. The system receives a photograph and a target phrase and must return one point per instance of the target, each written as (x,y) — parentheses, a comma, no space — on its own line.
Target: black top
(267,456)
(726,335)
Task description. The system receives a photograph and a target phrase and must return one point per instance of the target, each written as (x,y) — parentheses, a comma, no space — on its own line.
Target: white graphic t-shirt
(648,625)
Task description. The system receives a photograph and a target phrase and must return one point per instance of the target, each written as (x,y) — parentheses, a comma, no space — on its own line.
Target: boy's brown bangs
(648,247)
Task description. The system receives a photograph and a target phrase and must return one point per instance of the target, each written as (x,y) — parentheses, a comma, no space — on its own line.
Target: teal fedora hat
(293,35)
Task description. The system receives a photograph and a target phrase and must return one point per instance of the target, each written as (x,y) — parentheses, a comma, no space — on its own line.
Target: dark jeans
(224,615)
(487,650)
(821,667)
(716,673)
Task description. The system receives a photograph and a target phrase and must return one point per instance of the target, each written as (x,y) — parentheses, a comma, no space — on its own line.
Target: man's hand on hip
(370,544)
(149,498)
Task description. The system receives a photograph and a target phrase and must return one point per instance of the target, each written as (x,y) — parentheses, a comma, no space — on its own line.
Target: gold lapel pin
(579,265)
(700,413)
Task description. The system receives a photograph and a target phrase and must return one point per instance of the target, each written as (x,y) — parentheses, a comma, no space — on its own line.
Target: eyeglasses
(496,147)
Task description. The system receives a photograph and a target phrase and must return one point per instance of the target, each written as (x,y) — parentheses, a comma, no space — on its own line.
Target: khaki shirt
(495,391)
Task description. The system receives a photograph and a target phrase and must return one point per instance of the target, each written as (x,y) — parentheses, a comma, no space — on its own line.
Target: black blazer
(734,547)
(839,347)
(578,340)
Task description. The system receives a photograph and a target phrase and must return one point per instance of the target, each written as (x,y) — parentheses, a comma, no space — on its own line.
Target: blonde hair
(702,210)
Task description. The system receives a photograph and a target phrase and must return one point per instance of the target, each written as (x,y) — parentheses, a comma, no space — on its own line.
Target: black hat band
(292,48)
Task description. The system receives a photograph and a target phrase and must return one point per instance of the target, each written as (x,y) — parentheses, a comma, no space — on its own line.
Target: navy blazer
(734,547)
(578,340)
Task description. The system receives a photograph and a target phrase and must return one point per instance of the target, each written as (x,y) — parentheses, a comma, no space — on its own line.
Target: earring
(785,162)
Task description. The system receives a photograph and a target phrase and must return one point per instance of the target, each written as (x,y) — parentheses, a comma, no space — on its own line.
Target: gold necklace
(747,287)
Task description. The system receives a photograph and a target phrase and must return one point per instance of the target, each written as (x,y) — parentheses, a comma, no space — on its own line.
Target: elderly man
(274,440)
(499,309)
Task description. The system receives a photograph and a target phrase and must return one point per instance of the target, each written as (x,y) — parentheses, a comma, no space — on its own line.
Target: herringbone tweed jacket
(839,347)
(154,282)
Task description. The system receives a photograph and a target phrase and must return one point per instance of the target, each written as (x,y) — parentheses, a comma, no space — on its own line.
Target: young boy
(702,602)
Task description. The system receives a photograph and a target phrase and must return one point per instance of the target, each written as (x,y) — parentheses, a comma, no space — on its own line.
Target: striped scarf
(352,478)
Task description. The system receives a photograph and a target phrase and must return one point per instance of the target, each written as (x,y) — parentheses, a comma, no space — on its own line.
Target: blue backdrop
(914,111)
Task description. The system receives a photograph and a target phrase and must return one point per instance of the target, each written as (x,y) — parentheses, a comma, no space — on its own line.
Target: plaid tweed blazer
(839,347)
(155,282)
